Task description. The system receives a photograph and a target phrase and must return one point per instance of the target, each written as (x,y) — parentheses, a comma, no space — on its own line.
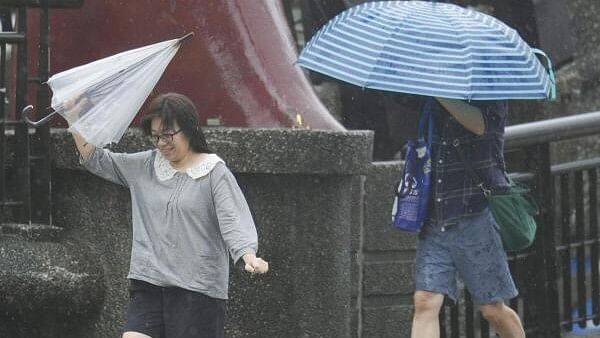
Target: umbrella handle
(36,124)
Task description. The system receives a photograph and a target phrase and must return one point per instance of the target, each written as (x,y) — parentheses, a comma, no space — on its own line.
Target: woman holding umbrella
(472,63)
(461,237)
(188,215)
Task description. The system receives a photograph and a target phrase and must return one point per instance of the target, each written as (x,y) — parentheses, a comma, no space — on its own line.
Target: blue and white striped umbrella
(429,48)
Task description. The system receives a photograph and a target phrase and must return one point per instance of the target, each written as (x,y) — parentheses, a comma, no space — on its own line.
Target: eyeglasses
(165,137)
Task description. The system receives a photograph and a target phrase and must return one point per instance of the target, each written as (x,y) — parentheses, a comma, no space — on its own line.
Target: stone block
(387,321)
(388,278)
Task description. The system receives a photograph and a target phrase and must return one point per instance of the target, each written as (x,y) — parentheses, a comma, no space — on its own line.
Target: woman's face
(171,142)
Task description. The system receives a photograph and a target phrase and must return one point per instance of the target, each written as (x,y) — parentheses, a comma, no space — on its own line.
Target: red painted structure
(239,67)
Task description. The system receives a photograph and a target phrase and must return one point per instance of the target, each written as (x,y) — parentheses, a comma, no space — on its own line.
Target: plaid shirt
(454,192)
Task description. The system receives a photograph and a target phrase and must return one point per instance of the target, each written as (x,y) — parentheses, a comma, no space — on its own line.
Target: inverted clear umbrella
(114,89)
(429,48)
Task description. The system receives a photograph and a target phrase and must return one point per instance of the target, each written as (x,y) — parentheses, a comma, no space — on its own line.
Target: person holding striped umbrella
(472,64)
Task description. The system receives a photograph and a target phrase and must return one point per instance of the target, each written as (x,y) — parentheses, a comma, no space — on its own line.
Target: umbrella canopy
(115,88)
(429,48)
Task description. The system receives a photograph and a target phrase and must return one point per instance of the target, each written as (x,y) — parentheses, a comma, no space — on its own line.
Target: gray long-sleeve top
(184,224)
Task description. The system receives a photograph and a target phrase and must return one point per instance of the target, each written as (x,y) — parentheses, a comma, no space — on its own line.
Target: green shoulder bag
(513,208)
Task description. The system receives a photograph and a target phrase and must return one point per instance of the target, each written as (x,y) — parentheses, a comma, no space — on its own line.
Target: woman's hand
(73,108)
(255,264)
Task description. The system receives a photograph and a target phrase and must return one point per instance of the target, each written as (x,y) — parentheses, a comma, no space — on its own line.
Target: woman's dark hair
(173,107)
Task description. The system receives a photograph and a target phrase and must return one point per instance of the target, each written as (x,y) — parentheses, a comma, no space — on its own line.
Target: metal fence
(25,180)
(576,215)
(15,181)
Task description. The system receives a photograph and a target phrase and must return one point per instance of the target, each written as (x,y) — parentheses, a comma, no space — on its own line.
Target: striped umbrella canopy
(429,48)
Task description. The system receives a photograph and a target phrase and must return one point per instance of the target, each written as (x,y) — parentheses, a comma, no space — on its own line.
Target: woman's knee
(493,312)
(428,302)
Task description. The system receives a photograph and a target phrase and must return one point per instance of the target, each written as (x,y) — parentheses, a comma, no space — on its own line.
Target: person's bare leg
(503,319)
(133,334)
(426,322)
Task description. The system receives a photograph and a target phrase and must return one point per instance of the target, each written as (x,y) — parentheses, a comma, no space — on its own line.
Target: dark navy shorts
(170,312)
(470,249)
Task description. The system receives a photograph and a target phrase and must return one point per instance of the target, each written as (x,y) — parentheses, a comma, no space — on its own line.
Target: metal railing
(577,248)
(15,199)
(25,173)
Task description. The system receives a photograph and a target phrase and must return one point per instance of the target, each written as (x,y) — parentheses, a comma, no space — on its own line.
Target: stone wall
(388,259)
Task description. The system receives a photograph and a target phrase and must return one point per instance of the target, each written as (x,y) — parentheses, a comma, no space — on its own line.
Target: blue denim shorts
(470,249)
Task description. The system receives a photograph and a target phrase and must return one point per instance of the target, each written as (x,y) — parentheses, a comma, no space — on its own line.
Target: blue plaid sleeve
(494,114)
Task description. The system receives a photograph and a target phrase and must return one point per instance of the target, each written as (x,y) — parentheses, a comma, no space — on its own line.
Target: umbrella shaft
(185,37)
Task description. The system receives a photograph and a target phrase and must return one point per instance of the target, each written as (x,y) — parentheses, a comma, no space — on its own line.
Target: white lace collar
(164,170)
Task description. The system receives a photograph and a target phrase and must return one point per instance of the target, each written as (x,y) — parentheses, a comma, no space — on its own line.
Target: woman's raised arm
(73,110)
